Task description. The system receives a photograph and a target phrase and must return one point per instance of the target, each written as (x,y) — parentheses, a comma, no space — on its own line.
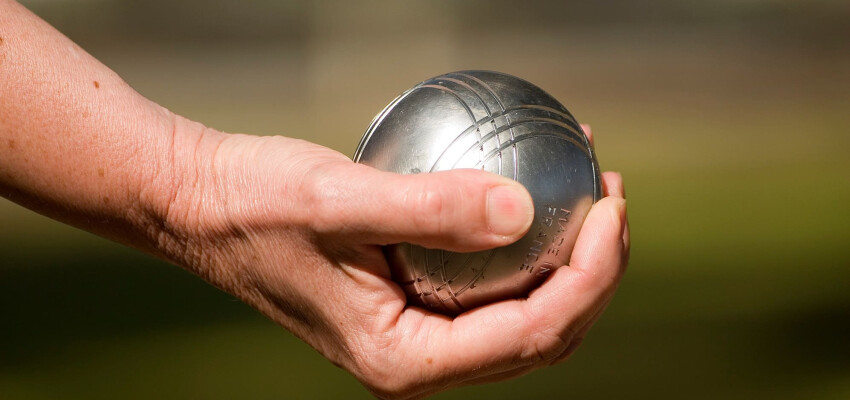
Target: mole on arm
(96,85)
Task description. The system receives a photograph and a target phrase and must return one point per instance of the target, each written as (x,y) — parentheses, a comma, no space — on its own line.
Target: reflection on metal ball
(501,124)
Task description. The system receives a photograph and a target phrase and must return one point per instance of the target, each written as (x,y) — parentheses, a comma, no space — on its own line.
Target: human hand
(295,230)
(292,228)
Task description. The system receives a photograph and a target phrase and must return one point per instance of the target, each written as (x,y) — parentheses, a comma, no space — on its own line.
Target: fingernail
(509,210)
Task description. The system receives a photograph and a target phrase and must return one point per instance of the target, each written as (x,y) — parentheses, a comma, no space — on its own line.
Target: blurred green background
(728,120)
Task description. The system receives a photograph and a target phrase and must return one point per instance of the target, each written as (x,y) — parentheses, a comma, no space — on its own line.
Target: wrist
(173,194)
(200,204)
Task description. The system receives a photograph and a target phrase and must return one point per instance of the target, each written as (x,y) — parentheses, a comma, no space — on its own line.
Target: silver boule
(501,124)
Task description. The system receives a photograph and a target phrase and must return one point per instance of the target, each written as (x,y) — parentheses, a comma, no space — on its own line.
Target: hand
(295,230)
(292,228)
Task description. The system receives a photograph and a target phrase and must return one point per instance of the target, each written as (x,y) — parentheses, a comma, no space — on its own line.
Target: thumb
(458,210)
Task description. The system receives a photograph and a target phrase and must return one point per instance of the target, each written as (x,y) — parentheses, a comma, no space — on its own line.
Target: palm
(312,255)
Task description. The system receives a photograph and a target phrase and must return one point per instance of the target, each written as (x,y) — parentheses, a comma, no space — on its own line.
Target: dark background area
(728,120)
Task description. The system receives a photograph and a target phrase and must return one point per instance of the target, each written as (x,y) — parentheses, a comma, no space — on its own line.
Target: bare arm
(292,228)
(79,144)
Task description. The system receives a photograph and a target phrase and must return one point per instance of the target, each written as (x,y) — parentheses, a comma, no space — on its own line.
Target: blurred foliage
(727,118)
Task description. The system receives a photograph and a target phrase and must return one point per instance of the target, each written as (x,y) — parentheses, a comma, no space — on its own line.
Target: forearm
(79,144)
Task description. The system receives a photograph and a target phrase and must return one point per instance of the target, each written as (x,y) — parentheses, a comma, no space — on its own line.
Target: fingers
(612,185)
(460,210)
(513,337)
(581,333)
(575,293)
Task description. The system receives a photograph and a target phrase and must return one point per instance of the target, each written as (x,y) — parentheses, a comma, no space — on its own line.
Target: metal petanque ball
(501,124)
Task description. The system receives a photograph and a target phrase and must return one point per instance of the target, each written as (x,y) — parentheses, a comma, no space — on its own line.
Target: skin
(292,228)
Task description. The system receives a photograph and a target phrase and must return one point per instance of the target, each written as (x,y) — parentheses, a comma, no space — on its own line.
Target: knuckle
(389,390)
(597,278)
(311,199)
(545,347)
(430,208)
(376,364)
(318,198)
(382,380)
(576,342)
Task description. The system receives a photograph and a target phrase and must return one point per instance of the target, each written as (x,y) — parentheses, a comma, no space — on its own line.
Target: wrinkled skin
(300,240)
(292,228)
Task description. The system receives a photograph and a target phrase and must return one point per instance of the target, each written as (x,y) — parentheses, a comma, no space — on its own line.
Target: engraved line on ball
(517,139)
(460,100)
(509,128)
(486,110)
(493,120)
